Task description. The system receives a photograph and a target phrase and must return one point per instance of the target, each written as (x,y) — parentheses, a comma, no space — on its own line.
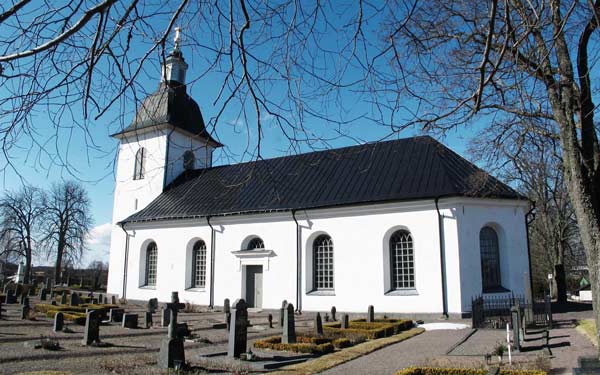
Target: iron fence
(494,311)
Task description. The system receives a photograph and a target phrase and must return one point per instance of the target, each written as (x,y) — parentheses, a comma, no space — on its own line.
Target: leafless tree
(20,213)
(436,65)
(531,161)
(66,223)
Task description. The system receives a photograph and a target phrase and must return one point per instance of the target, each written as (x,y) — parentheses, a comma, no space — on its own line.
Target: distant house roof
(399,170)
(169,104)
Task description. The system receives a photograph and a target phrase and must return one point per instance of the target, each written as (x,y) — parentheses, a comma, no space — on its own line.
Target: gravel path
(413,352)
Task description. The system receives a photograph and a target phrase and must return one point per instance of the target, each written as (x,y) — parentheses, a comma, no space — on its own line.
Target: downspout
(442,259)
(125,262)
(298,266)
(527,223)
(212,263)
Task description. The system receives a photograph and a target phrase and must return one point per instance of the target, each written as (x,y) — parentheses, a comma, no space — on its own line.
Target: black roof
(399,170)
(170,104)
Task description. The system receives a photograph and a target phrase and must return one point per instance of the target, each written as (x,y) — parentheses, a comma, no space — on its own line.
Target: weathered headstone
(75,299)
(63,298)
(25,309)
(515,315)
(113,300)
(289,326)
(333,311)
(116,315)
(345,321)
(130,321)
(59,322)
(105,301)
(370,314)
(171,348)
(318,325)
(100,299)
(270,319)
(53,303)
(238,333)
(147,319)
(165,317)
(282,312)
(43,293)
(10,297)
(152,305)
(226,312)
(91,333)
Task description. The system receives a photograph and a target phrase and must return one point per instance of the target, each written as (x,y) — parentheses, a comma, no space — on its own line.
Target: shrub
(49,343)
(462,371)
(304,345)
(378,329)
(341,343)
(75,317)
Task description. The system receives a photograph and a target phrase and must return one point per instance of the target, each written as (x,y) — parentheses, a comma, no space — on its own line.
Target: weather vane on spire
(177,38)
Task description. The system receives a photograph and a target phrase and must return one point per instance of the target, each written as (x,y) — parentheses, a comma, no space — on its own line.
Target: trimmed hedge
(342,343)
(378,329)
(77,318)
(312,345)
(44,307)
(462,371)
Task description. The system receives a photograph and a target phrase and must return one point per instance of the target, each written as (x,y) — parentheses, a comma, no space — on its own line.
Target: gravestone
(370,314)
(165,317)
(74,299)
(548,309)
(100,299)
(152,305)
(59,322)
(113,300)
(282,312)
(10,297)
(63,298)
(53,303)
(333,311)
(227,312)
(91,333)
(31,291)
(318,325)
(23,298)
(289,326)
(345,321)
(238,333)
(171,348)
(515,314)
(105,301)
(25,311)
(147,319)
(270,319)
(43,293)
(116,315)
(130,321)
(1,309)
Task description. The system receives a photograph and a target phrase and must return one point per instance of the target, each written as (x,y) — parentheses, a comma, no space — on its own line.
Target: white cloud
(98,244)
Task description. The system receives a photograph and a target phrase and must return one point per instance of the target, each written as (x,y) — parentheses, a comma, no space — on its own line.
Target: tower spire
(173,72)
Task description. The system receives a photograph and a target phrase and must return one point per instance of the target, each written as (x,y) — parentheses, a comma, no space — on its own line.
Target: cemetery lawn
(328,361)
(588,328)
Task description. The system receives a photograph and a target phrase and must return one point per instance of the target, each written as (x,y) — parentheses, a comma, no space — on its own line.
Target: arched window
(490,259)
(199,265)
(255,243)
(151,263)
(402,261)
(323,263)
(140,160)
(189,160)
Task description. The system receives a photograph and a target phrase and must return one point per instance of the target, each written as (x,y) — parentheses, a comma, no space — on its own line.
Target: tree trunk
(561,283)
(58,265)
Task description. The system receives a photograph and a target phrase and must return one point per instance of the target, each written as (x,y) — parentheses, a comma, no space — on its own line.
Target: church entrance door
(254,286)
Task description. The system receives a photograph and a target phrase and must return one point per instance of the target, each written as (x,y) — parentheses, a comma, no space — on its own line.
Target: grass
(588,328)
(328,361)
(46,373)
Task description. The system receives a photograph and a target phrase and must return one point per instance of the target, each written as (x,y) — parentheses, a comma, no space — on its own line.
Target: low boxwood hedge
(311,345)
(375,330)
(75,317)
(462,371)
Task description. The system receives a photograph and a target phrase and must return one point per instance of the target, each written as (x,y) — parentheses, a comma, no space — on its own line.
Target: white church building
(408,226)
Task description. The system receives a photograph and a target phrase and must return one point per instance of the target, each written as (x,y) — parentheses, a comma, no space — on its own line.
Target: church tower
(166,137)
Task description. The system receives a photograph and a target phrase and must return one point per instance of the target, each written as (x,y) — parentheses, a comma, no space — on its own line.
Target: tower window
(189,160)
(402,261)
(140,161)
(323,263)
(490,259)
(151,264)
(256,243)
(199,265)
